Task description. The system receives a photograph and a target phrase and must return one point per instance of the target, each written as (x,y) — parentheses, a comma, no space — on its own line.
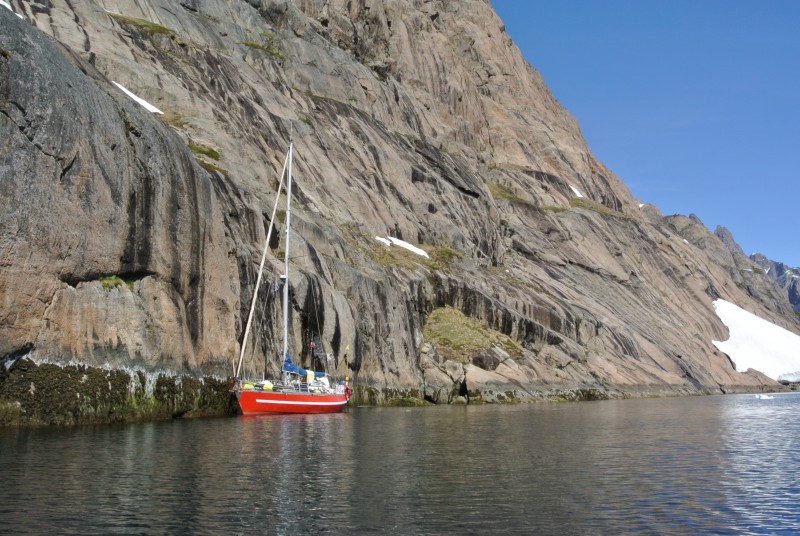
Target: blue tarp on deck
(288,366)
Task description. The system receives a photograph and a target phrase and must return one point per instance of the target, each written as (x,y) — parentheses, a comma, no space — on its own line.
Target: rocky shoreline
(48,394)
(34,394)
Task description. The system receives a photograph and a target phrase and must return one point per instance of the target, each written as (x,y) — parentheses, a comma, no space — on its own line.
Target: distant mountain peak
(787,278)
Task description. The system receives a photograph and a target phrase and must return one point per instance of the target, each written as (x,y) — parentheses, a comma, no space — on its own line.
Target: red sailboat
(297,390)
(301,395)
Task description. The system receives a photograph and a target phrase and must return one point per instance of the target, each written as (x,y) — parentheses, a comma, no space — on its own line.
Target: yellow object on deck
(310,376)
(247,386)
(267,385)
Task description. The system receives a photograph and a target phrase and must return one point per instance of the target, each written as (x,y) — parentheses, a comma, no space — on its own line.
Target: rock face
(786,278)
(133,239)
(92,186)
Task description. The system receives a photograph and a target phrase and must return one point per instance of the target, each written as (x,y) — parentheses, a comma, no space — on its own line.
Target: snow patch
(8,7)
(685,240)
(758,344)
(641,205)
(397,242)
(575,190)
(409,247)
(149,107)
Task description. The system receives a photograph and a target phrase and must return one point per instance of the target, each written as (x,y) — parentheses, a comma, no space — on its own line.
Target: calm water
(713,465)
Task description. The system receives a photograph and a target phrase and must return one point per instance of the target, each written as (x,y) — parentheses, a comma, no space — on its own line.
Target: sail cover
(288,366)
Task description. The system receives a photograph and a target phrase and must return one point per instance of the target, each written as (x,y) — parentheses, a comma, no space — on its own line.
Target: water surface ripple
(708,465)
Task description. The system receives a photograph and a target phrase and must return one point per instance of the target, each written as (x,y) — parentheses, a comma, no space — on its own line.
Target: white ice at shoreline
(149,107)
(758,344)
(397,242)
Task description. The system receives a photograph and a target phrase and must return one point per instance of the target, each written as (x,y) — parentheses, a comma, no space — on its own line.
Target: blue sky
(694,105)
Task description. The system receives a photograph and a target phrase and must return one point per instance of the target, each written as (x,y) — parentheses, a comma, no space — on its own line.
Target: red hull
(258,402)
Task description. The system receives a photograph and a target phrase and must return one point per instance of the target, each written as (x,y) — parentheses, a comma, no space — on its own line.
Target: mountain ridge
(785,276)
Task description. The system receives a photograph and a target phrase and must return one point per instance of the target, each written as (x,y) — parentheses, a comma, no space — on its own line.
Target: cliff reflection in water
(669,466)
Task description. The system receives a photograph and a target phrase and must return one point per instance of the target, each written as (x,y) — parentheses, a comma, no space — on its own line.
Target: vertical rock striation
(94,187)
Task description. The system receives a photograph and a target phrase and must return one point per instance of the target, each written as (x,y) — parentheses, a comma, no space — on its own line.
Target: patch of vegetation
(311,95)
(443,256)
(253,44)
(412,137)
(212,18)
(306,120)
(457,337)
(499,191)
(329,99)
(445,150)
(10,412)
(50,394)
(597,207)
(204,150)
(551,208)
(267,46)
(5,53)
(148,27)
(348,233)
(211,168)
(407,402)
(113,281)
(440,257)
(174,119)
(538,288)
(393,256)
(269,42)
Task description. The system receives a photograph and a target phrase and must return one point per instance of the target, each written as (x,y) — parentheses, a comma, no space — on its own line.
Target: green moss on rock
(500,192)
(113,281)
(597,207)
(204,150)
(457,337)
(49,394)
(145,26)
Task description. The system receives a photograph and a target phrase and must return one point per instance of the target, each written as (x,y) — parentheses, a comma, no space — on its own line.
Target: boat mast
(261,269)
(286,255)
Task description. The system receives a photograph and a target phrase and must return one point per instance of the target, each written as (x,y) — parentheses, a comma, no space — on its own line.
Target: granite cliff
(130,240)
(784,276)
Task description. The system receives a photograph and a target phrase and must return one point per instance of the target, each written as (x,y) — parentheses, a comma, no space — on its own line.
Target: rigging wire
(260,272)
